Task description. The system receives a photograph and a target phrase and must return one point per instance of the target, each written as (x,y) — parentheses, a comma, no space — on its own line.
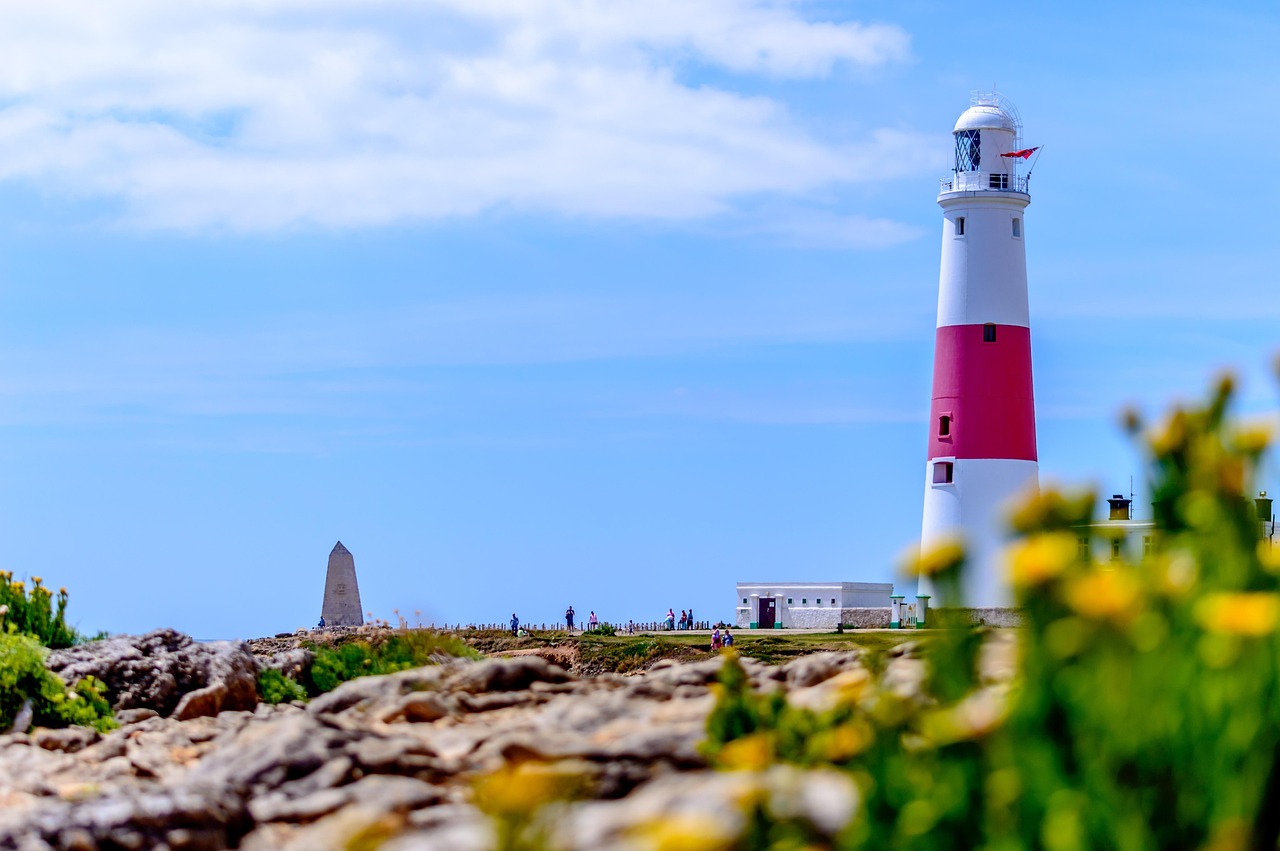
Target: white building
(812,605)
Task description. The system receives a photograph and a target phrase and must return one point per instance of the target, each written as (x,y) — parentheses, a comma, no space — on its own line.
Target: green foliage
(382,653)
(1144,711)
(605,629)
(36,611)
(274,687)
(23,677)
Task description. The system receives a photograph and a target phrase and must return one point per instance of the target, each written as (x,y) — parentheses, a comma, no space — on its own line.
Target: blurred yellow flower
(1171,435)
(1252,439)
(1104,594)
(519,789)
(846,740)
(1051,508)
(686,833)
(1039,558)
(941,556)
(750,753)
(975,717)
(1250,613)
(1269,555)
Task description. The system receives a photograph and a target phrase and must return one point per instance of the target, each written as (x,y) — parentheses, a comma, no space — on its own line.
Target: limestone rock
(165,671)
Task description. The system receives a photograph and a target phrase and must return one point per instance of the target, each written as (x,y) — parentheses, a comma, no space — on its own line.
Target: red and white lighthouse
(982,442)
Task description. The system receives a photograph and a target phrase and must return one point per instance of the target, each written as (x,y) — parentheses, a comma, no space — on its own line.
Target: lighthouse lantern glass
(968,150)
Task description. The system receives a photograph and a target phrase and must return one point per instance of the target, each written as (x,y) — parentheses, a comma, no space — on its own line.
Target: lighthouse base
(974,506)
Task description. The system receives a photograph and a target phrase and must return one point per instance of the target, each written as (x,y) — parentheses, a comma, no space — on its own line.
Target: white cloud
(258,115)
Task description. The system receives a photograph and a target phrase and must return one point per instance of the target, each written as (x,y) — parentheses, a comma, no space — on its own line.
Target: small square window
(804,601)
(989,333)
(959,225)
(999,181)
(944,425)
(788,601)
(744,601)
(943,472)
(1017,228)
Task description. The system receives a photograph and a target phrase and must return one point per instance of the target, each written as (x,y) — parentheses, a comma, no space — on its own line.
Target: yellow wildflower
(1269,555)
(1250,613)
(1040,558)
(521,789)
(938,557)
(1172,435)
(847,740)
(691,832)
(975,717)
(1051,508)
(1104,594)
(1252,439)
(750,753)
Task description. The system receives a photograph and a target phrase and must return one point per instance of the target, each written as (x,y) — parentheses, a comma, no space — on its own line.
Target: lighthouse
(982,441)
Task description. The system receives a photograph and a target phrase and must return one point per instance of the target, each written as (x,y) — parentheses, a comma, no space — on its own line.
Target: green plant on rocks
(385,653)
(35,611)
(31,694)
(1143,714)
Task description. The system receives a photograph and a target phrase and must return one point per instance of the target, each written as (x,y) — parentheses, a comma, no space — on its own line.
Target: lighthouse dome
(986,117)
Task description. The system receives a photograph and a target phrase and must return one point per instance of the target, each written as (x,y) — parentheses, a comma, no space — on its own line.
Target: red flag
(1024,153)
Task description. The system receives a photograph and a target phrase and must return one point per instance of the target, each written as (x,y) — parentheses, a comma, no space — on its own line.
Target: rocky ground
(391,762)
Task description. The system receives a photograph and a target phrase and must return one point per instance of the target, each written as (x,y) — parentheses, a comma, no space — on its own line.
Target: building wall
(813,605)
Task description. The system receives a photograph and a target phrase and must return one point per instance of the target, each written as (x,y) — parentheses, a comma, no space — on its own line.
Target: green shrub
(605,629)
(23,677)
(274,687)
(35,612)
(1144,710)
(382,653)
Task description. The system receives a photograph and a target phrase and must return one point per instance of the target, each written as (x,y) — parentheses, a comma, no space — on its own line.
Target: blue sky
(539,302)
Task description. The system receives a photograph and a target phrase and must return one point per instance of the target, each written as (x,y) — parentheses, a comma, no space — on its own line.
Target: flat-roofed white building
(812,605)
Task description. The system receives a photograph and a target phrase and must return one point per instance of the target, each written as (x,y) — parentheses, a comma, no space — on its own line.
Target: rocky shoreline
(392,761)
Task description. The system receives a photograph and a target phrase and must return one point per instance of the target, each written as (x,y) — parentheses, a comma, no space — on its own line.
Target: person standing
(726,640)
(515,624)
(691,622)
(715,639)
(568,619)
(593,622)
(671,619)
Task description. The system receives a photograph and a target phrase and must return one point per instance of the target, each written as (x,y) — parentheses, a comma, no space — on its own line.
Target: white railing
(988,181)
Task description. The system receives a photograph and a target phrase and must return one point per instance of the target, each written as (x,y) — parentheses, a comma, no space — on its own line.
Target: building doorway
(768,612)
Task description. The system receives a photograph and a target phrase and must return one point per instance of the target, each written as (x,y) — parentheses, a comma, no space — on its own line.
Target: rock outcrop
(165,671)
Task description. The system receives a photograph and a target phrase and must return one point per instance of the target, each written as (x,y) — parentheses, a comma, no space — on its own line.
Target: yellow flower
(692,832)
(940,556)
(523,788)
(1171,436)
(1105,594)
(1040,558)
(1252,439)
(1269,555)
(846,740)
(1250,613)
(750,753)
(36,580)
(1051,508)
(975,717)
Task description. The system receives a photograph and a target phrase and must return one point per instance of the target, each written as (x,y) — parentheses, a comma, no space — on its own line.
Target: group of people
(685,621)
(721,638)
(593,622)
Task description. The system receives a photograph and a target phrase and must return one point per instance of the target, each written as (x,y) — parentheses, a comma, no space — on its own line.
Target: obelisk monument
(341,605)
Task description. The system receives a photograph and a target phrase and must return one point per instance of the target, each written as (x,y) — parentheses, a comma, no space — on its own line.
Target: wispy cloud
(366,362)
(263,114)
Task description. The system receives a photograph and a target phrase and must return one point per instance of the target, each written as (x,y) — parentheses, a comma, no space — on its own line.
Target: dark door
(768,612)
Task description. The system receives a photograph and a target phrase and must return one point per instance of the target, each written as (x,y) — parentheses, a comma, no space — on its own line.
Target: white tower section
(982,443)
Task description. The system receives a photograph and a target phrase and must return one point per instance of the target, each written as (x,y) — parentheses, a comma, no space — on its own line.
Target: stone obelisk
(341,605)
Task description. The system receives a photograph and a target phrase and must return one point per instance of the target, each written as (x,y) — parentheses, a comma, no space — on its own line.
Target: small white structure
(809,605)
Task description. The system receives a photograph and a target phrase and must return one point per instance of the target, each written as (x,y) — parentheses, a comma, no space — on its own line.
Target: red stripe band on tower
(982,396)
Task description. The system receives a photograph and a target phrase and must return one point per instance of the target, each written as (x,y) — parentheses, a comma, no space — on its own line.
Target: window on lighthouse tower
(968,150)
(989,333)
